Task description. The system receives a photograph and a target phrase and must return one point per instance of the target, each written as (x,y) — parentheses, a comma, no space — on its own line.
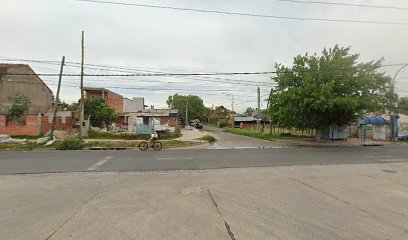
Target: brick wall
(116,101)
(15,128)
(32,126)
(171,121)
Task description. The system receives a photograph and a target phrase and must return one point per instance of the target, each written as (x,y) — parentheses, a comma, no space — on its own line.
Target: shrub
(208,138)
(71,144)
(222,123)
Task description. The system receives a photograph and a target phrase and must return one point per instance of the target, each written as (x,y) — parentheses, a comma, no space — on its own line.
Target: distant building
(113,99)
(29,85)
(133,105)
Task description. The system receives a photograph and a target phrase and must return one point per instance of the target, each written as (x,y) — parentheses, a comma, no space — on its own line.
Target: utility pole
(259,109)
(267,107)
(186,113)
(56,99)
(232,103)
(81,116)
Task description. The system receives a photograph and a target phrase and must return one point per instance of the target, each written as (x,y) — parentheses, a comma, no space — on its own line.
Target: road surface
(195,159)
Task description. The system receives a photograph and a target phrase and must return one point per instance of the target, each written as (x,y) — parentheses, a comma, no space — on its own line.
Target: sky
(133,39)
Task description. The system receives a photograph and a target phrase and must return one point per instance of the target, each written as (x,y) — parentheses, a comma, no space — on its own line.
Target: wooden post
(81,116)
(56,98)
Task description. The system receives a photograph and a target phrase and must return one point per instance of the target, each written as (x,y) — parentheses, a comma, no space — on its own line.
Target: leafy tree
(64,105)
(403,103)
(73,106)
(101,113)
(331,89)
(20,105)
(196,108)
(249,111)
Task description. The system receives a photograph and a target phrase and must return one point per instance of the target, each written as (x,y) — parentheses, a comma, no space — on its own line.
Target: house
(113,99)
(27,84)
(21,79)
(161,120)
(240,122)
(133,105)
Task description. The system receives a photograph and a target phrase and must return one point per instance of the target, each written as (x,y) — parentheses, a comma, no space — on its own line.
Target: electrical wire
(243,14)
(346,4)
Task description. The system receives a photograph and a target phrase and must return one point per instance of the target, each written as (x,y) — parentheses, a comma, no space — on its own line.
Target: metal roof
(244,119)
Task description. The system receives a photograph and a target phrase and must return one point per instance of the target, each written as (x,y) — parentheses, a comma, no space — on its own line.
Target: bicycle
(145,145)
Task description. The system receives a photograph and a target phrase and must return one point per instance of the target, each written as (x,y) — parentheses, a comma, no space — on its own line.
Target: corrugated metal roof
(244,119)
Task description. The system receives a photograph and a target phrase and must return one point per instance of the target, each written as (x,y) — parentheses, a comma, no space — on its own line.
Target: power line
(243,14)
(143,74)
(346,4)
(135,70)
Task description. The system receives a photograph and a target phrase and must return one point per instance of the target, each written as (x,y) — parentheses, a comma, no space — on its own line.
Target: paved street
(194,159)
(359,201)
(276,192)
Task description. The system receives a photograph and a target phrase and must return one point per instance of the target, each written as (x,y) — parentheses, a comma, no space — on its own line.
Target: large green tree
(403,103)
(196,108)
(101,113)
(330,89)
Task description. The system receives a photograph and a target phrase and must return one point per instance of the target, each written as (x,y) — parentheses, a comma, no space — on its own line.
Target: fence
(276,129)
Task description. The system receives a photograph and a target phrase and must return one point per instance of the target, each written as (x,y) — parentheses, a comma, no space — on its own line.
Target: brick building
(28,84)
(34,125)
(111,98)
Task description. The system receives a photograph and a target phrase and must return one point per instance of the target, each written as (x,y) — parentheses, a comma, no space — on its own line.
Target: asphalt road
(199,159)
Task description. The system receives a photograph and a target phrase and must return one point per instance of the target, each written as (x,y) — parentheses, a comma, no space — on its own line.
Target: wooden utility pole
(56,99)
(81,116)
(186,124)
(259,110)
(267,107)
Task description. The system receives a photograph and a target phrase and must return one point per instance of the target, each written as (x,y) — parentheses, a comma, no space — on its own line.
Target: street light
(393,107)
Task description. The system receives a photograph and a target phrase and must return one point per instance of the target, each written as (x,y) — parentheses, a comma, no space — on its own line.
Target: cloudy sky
(123,39)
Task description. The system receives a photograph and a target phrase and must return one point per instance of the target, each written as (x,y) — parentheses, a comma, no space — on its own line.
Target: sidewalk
(359,201)
(311,142)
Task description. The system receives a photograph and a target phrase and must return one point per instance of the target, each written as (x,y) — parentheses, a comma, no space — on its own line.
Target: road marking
(99,163)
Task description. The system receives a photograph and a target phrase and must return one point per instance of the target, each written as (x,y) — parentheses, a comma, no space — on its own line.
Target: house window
(145,120)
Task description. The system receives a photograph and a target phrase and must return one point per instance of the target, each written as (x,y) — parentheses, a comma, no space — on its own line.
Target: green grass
(71,144)
(27,146)
(208,138)
(124,136)
(27,137)
(112,144)
(110,135)
(251,133)
(177,143)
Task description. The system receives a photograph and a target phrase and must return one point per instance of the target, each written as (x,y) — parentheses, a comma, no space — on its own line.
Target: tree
(101,113)
(331,89)
(249,112)
(196,108)
(20,106)
(64,105)
(403,103)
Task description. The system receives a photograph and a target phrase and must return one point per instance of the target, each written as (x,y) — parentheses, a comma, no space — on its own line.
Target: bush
(222,123)
(71,144)
(208,138)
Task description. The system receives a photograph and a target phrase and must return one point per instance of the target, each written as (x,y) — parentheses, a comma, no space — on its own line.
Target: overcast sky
(164,40)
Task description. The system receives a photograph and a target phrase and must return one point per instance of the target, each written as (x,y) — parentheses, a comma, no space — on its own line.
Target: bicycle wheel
(157,146)
(143,146)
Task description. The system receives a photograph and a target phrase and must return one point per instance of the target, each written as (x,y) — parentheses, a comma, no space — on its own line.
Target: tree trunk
(318,135)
